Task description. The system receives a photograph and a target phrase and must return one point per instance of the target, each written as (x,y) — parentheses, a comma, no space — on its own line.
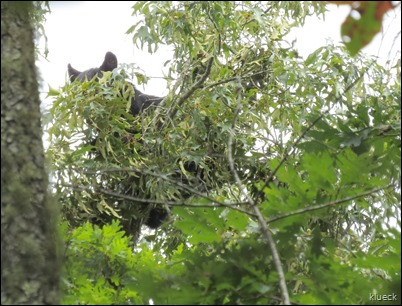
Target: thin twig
(161,176)
(181,185)
(244,77)
(332,203)
(197,85)
(159,202)
(263,224)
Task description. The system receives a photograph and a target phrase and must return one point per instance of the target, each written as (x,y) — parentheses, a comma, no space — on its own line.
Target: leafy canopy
(308,147)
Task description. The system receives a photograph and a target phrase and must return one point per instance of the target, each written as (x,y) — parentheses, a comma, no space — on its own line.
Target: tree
(29,243)
(295,177)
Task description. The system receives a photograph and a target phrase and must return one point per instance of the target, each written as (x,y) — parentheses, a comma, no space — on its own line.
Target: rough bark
(29,240)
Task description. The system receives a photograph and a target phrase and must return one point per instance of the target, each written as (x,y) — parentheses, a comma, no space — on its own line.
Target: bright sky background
(81,33)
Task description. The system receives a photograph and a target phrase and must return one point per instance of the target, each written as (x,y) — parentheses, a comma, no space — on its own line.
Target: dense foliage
(306,149)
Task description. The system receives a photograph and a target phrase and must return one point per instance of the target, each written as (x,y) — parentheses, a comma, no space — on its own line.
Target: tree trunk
(29,240)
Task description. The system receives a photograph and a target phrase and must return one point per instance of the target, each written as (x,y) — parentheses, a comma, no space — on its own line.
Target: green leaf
(52,92)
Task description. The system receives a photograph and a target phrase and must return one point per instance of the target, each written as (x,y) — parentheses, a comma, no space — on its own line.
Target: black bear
(139,103)
(108,64)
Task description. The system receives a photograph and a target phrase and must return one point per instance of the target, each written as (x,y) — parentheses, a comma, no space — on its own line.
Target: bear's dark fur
(139,103)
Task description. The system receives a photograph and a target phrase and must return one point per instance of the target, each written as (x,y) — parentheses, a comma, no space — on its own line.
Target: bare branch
(263,224)
(159,202)
(161,176)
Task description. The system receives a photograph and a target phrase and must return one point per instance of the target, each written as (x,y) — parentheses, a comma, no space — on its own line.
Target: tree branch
(188,93)
(332,203)
(263,224)
(159,202)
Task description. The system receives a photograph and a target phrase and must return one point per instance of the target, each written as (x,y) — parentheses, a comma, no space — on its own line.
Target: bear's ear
(72,73)
(109,63)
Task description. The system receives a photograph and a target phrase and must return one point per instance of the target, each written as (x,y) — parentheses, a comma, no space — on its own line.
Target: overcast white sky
(81,33)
